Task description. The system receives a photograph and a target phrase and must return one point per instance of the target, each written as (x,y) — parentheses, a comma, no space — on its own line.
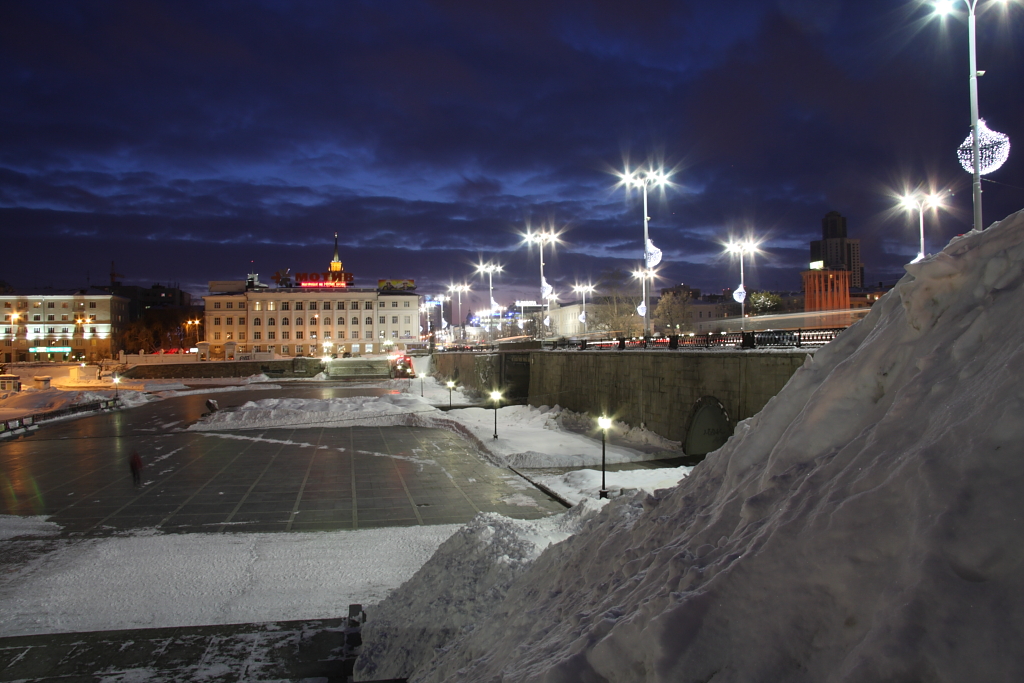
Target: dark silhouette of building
(836,251)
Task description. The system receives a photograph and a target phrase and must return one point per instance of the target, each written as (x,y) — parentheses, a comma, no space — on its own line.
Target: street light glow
(604,422)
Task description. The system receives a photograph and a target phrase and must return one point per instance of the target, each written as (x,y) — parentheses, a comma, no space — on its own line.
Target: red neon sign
(321,284)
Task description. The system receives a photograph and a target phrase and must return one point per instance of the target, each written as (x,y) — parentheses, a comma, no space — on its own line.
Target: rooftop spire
(336,261)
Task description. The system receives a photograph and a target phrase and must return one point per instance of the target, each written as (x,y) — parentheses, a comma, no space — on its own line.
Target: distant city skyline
(192,141)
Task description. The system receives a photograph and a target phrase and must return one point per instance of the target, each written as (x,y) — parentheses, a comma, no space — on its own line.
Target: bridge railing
(722,340)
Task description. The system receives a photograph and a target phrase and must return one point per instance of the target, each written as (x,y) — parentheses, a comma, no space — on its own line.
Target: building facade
(836,251)
(826,290)
(61,326)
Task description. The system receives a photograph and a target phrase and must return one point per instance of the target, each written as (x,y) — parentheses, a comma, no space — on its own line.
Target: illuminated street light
(490,269)
(117,380)
(918,202)
(604,423)
(582,290)
(740,249)
(459,289)
(540,239)
(643,275)
(451,385)
(496,399)
(652,255)
(986,147)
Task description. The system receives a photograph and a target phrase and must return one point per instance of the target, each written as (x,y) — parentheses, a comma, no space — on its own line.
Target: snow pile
(865,526)
(460,586)
(149,580)
(580,485)
(30,401)
(391,409)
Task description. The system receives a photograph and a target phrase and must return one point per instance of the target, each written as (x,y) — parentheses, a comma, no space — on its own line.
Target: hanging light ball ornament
(993,147)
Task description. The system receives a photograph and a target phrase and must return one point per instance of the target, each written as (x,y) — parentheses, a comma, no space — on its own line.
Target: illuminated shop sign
(49,349)
(405,285)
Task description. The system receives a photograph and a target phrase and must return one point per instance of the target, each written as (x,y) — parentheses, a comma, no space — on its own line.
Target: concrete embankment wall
(479,372)
(660,389)
(293,367)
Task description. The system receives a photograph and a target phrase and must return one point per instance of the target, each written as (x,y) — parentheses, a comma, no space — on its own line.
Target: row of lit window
(312,321)
(308,305)
(285,335)
(49,330)
(49,304)
(38,318)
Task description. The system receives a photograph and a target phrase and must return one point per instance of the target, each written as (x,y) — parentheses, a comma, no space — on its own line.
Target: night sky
(190,141)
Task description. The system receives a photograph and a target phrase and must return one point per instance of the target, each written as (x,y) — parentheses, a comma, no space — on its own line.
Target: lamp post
(652,255)
(540,239)
(496,398)
(643,274)
(459,289)
(740,249)
(490,269)
(997,141)
(917,202)
(604,423)
(451,385)
(582,290)
(117,380)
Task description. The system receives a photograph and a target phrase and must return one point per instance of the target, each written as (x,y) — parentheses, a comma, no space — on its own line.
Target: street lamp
(996,146)
(459,289)
(582,290)
(644,274)
(117,380)
(918,202)
(441,298)
(496,398)
(451,385)
(490,269)
(740,249)
(652,255)
(540,239)
(604,423)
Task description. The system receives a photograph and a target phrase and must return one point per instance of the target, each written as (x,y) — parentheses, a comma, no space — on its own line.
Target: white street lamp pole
(914,202)
(490,269)
(978,225)
(741,249)
(651,257)
(583,289)
(647,311)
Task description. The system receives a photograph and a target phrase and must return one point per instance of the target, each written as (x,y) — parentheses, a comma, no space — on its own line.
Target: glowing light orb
(993,147)
(740,294)
(653,254)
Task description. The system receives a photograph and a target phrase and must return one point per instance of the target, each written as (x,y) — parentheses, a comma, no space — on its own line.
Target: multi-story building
(59,326)
(836,251)
(311,314)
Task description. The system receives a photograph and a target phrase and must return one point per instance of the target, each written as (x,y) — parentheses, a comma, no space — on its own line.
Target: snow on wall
(865,526)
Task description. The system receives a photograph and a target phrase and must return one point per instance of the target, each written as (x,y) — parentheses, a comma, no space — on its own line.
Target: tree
(614,310)
(765,302)
(672,312)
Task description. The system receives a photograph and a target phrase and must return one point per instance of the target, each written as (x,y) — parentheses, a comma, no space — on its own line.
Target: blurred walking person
(135,462)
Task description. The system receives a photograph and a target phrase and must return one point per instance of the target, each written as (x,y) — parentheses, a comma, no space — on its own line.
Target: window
(369,320)
(380,304)
(341,321)
(92,330)
(406,304)
(298,334)
(341,305)
(394,334)
(37,330)
(50,304)
(64,317)
(229,321)
(257,306)
(241,335)
(284,349)
(37,318)
(92,318)
(298,349)
(284,306)
(285,334)
(64,305)
(407,334)
(230,304)
(257,335)
(355,335)
(256,349)
(271,305)
(216,321)
(327,305)
(298,305)
(92,304)
(241,321)
(369,306)
(328,320)
(51,330)
(216,304)
(284,321)
(271,335)
(51,317)
(369,335)
(382,319)
(312,305)
(298,321)
(394,304)
(216,336)
(394,320)
(355,320)
(406,320)
(271,321)
(256,322)
(312,321)
(241,304)
(227,335)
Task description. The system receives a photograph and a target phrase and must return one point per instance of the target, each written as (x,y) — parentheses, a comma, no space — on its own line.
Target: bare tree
(672,312)
(614,309)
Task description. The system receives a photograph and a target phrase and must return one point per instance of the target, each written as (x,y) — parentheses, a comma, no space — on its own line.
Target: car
(402,367)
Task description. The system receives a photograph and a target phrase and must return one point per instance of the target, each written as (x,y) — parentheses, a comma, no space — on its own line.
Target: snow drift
(865,526)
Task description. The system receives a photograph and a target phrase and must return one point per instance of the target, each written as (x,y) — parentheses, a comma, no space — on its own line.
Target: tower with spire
(336,266)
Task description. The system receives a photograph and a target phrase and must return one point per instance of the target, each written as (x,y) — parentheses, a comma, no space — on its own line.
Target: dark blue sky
(184,140)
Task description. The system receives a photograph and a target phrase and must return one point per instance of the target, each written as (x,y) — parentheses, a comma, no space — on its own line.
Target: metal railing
(27,422)
(722,340)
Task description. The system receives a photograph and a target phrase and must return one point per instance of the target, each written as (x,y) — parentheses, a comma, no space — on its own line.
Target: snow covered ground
(865,526)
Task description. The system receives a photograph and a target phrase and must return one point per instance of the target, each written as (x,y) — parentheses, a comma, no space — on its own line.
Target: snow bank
(12,526)
(865,526)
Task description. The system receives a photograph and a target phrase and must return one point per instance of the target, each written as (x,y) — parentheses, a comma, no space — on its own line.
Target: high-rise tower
(836,251)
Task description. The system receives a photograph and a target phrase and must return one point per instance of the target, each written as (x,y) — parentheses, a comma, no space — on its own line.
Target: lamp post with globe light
(582,290)
(984,150)
(540,239)
(604,423)
(643,274)
(496,399)
(652,255)
(451,385)
(490,269)
(740,249)
(918,202)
